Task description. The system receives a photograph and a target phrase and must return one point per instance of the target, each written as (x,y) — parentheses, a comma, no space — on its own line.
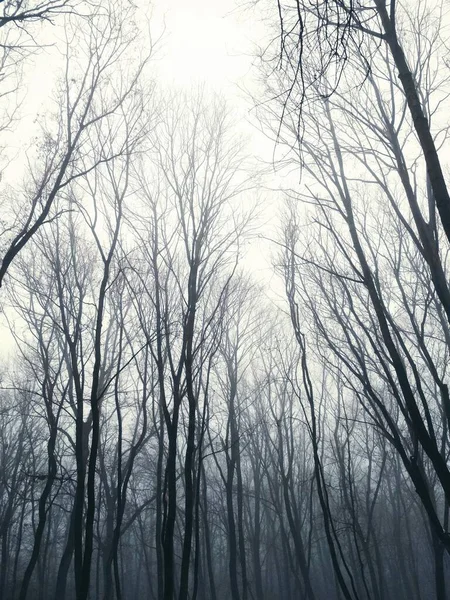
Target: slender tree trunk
(66,559)
(189,494)
(159,507)
(439,570)
(170,505)
(42,511)
(207,536)
(257,530)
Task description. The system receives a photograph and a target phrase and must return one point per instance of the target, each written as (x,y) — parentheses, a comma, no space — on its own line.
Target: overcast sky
(205,40)
(208,41)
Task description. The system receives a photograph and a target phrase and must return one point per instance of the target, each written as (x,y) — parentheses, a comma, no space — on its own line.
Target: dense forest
(172,427)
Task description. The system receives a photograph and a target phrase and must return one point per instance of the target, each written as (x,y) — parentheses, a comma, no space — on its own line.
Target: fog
(224,300)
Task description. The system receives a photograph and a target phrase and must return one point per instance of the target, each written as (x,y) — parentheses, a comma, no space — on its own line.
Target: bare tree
(321,42)
(82,107)
(190,244)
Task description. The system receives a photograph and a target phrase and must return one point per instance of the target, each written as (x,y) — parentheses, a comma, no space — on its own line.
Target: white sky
(207,40)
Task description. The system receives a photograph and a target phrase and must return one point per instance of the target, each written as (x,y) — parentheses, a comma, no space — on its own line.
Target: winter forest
(224,347)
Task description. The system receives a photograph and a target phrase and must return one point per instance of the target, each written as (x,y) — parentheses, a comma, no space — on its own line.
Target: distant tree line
(168,430)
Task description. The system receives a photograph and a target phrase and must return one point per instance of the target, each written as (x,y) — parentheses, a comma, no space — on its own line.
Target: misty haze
(224,300)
